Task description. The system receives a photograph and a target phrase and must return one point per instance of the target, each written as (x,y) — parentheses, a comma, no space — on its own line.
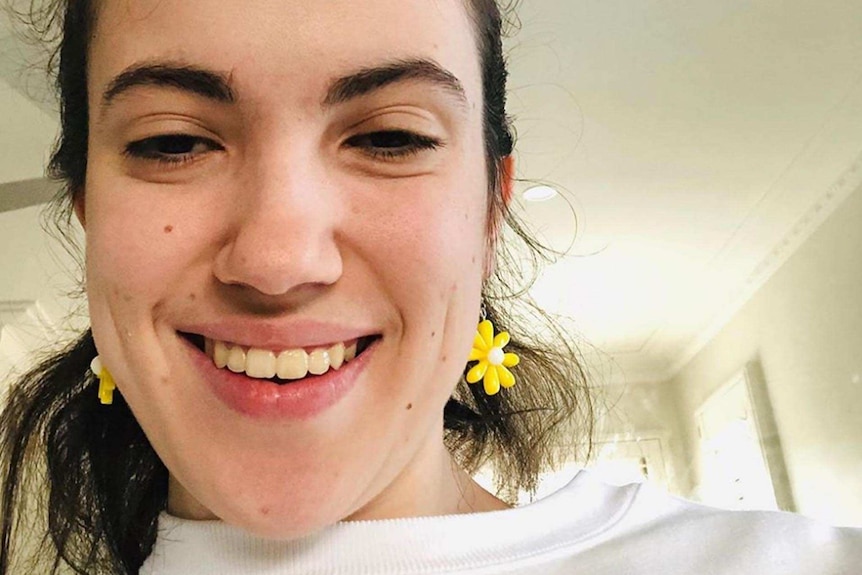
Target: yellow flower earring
(106,381)
(493,361)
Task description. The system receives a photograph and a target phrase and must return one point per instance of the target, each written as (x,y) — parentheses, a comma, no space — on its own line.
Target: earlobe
(490,264)
(507,179)
(78,205)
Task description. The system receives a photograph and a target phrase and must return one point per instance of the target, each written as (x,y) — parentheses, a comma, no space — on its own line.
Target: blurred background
(700,163)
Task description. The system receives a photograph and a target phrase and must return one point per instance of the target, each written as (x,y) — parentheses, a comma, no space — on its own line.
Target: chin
(284,530)
(287,526)
(282,518)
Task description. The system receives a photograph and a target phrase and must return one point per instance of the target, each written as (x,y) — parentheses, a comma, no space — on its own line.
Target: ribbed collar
(420,545)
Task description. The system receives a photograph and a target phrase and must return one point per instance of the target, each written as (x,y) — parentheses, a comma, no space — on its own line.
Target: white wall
(638,411)
(26,136)
(805,326)
(36,267)
(37,270)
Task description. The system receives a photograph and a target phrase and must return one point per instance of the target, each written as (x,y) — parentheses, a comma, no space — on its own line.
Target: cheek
(137,245)
(433,275)
(428,258)
(429,237)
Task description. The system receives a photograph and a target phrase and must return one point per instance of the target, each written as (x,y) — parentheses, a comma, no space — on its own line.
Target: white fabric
(588,527)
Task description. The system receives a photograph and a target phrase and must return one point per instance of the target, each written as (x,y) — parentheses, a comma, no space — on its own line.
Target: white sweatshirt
(586,528)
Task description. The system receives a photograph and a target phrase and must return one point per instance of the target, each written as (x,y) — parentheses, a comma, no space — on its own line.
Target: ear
(507,179)
(507,186)
(490,262)
(78,205)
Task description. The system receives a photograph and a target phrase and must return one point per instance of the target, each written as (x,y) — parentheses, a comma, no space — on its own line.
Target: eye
(171,148)
(393,144)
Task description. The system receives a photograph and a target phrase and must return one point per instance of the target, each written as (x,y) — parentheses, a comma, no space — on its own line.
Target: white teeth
(220,354)
(260,363)
(236,359)
(289,364)
(350,352)
(292,364)
(318,361)
(336,355)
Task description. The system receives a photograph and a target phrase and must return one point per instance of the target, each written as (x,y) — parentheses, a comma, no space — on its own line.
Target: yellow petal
(502,339)
(106,387)
(108,379)
(477,372)
(486,331)
(511,360)
(476,354)
(492,381)
(506,377)
(479,343)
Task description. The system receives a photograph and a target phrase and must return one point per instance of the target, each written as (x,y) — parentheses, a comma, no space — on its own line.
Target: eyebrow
(206,83)
(368,80)
(217,87)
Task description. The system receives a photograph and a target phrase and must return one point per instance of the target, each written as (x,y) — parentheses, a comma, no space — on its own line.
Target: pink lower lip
(262,399)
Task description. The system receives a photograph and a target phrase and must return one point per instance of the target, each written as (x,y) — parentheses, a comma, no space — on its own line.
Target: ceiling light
(540,194)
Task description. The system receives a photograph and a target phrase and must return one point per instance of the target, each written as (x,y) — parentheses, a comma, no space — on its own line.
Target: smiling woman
(293,216)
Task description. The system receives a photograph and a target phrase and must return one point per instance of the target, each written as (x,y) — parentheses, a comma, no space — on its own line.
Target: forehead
(295,46)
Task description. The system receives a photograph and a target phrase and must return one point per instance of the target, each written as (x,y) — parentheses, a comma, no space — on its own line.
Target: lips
(271,399)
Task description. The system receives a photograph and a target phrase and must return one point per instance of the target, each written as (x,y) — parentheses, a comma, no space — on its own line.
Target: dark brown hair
(104,483)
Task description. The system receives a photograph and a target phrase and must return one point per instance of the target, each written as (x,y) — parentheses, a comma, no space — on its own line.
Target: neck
(430,484)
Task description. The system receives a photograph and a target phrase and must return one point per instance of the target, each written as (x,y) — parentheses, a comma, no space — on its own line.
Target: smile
(280,366)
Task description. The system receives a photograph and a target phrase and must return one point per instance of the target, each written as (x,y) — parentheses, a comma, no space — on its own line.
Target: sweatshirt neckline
(416,545)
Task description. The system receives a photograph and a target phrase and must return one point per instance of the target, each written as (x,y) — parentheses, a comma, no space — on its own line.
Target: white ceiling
(698,142)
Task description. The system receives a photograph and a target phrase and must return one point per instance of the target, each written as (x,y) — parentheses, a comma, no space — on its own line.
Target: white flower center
(495,356)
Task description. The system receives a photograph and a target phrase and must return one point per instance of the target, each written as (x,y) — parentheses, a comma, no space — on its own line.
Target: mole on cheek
(192,297)
(409,406)
(169,228)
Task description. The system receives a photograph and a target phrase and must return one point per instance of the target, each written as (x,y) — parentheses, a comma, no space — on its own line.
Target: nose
(284,229)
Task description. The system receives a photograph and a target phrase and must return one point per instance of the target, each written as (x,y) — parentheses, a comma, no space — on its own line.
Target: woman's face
(283,177)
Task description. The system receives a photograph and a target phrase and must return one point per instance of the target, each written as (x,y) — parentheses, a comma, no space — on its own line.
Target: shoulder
(655,530)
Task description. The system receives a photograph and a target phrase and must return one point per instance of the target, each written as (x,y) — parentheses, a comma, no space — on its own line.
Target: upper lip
(277,334)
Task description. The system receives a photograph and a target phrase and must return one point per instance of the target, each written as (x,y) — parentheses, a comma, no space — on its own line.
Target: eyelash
(411,144)
(148,149)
